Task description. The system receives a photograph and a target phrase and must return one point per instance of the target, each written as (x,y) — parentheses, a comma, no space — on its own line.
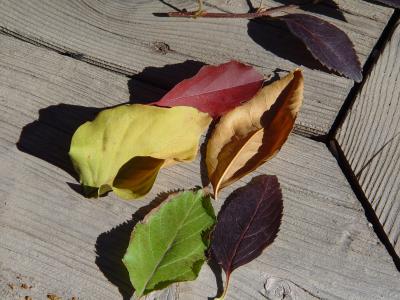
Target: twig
(252,15)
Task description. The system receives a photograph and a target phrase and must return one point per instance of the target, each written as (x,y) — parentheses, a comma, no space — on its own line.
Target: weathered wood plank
(370,138)
(59,242)
(125,36)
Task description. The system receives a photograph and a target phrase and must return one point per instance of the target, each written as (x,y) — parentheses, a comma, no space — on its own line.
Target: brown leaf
(254,132)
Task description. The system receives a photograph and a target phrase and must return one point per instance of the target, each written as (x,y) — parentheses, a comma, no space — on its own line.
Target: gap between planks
(337,151)
(368,67)
(363,143)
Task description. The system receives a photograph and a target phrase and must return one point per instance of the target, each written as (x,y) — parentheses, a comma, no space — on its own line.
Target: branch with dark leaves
(326,42)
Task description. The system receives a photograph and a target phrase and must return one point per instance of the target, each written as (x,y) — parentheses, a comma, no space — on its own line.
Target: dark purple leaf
(394,3)
(248,223)
(327,43)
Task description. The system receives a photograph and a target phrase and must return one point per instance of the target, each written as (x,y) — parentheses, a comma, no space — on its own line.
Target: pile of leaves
(124,148)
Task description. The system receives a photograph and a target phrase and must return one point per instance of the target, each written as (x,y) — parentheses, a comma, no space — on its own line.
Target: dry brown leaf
(254,132)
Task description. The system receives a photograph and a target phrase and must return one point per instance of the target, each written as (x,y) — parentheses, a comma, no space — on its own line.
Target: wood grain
(126,37)
(59,242)
(370,138)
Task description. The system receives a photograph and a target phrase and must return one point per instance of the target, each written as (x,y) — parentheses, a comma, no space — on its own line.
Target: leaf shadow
(162,78)
(327,8)
(275,37)
(111,247)
(170,5)
(49,137)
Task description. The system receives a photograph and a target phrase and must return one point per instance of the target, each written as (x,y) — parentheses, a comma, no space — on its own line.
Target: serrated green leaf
(124,147)
(169,245)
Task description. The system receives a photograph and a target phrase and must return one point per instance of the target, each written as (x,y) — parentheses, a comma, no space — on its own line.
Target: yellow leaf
(124,147)
(254,132)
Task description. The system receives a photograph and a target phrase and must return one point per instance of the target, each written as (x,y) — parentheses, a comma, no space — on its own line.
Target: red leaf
(215,89)
(248,223)
(327,43)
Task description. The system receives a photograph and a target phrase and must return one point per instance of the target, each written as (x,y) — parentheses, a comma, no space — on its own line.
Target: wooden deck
(370,138)
(62,61)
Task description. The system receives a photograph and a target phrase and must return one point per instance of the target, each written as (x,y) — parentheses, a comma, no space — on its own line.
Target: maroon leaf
(215,89)
(247,224)
(327,43)
(394,3)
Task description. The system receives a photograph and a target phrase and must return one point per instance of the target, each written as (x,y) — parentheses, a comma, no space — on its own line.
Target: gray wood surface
(53,239)
(126,37)
(370,138)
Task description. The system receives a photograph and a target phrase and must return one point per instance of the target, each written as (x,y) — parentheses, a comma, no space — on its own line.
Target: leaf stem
(226,287)
(274,11)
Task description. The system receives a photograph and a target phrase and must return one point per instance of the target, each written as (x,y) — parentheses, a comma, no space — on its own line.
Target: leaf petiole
(225,289)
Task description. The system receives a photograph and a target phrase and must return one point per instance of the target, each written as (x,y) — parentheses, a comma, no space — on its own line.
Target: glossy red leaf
(215,89)
(394,3)
(327,43)
(247,224)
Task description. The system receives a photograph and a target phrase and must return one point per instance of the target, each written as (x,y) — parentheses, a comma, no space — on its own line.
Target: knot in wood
(161,47)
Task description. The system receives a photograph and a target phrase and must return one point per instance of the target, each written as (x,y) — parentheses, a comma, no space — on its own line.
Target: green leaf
(124,147)
(169,244)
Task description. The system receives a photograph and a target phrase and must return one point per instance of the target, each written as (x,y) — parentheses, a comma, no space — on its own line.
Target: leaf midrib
(169,246)
(240,240)
(235,157)
(317,38)
(215,91)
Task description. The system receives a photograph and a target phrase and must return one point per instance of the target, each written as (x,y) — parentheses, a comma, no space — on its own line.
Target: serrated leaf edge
(147,218)
(321,62)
